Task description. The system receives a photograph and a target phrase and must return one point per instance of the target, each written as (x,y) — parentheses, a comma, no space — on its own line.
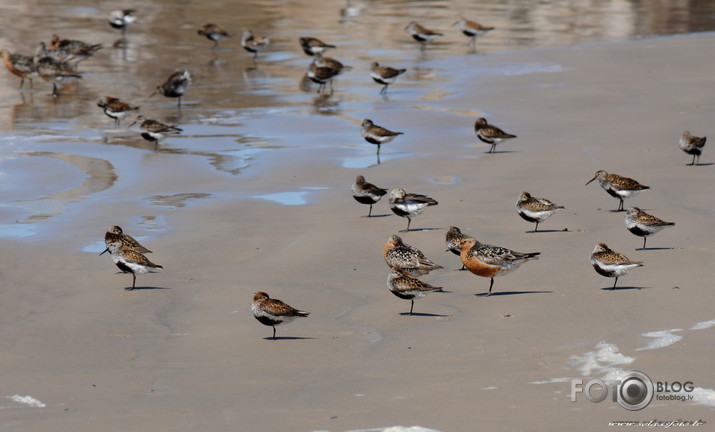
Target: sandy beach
(183,352)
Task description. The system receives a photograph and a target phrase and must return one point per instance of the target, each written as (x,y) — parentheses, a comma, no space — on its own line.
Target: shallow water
(239,117)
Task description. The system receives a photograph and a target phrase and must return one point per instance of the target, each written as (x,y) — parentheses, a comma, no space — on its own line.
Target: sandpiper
(115,108)
(74,51)
(492,261)
(121,19)
(617,186)
(408,259)
(384,75)
(692,145)
(254,44)
(453,239)
(610,263)
(116,234)
(19,65)
(490,134)
(375,134)
(643,224)
(273,312)
(175,85)
(366,193)
(322,76)
(421,34)
(409,205)
(53,71)
(312,46)
(328,62)
(214,33)
(130,261)
(154,130)
(533,209)
(472,30)
(406,287)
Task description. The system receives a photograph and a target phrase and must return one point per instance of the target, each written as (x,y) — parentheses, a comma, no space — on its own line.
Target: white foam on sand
(703,325)
(663,338)
(397,429)
(604,361)
(552,381)
(27,400)
(703,396)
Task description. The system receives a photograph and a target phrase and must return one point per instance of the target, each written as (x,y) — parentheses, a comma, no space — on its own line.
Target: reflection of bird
(472,30)
(692,145)
(421,34)
(254,44)
(533,209)
(366,193)
(409,205)
(492,261)
(384,75)
(407,259)
(175,85)
(121,19)
(19,65)
(312,46)
(617,186)
(453,239)
(130,261)
(115,108)
(273,312)
(154,130)
(375,134)
(116,234)
(213,32)
(490,134)
(408,288)
(643,224)
(610,263)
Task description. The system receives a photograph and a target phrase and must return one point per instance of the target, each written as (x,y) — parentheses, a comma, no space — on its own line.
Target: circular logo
(635,391)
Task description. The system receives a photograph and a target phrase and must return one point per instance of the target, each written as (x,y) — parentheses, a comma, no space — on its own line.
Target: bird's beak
(106,250)
(455,23)
(152,94)
(594,178)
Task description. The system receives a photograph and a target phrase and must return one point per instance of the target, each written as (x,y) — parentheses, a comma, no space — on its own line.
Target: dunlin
(384,75)
(175,85)
(366,193)
(273,312)
(421,34)
(490,134)
(121,19)
(610,263)
(403,257)
(214,33)
(74,51)
(115,108)
(406,287)
(130,261)
(254,44)
(472,30)
(453,239)
(535,209)
(322,76)
(617,186)
(328,62)
(492,261)
(19,65)
(375,134)
(154,130)
(692,145)
(116,234)
(409,205)
(53,71)
(643,224)
(312,46)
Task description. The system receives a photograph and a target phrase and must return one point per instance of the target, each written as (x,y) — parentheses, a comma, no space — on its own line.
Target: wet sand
(184,353)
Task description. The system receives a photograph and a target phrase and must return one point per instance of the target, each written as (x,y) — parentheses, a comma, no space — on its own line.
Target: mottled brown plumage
(643,224)
(692,145)
(610,263)
(490,134)
(273,312)
(618,186)
(366,193)
(401,256)
(406,287)
(492,261)
(409,205)
(534,209)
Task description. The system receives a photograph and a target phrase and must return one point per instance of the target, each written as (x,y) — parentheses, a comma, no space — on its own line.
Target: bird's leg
(614,284)
(411,306)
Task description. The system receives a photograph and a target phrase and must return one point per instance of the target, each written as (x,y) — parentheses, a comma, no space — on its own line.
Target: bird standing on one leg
(409,205)
(610,263)
(273,312)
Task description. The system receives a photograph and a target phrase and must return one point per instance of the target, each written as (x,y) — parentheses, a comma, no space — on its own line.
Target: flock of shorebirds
(60,61)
